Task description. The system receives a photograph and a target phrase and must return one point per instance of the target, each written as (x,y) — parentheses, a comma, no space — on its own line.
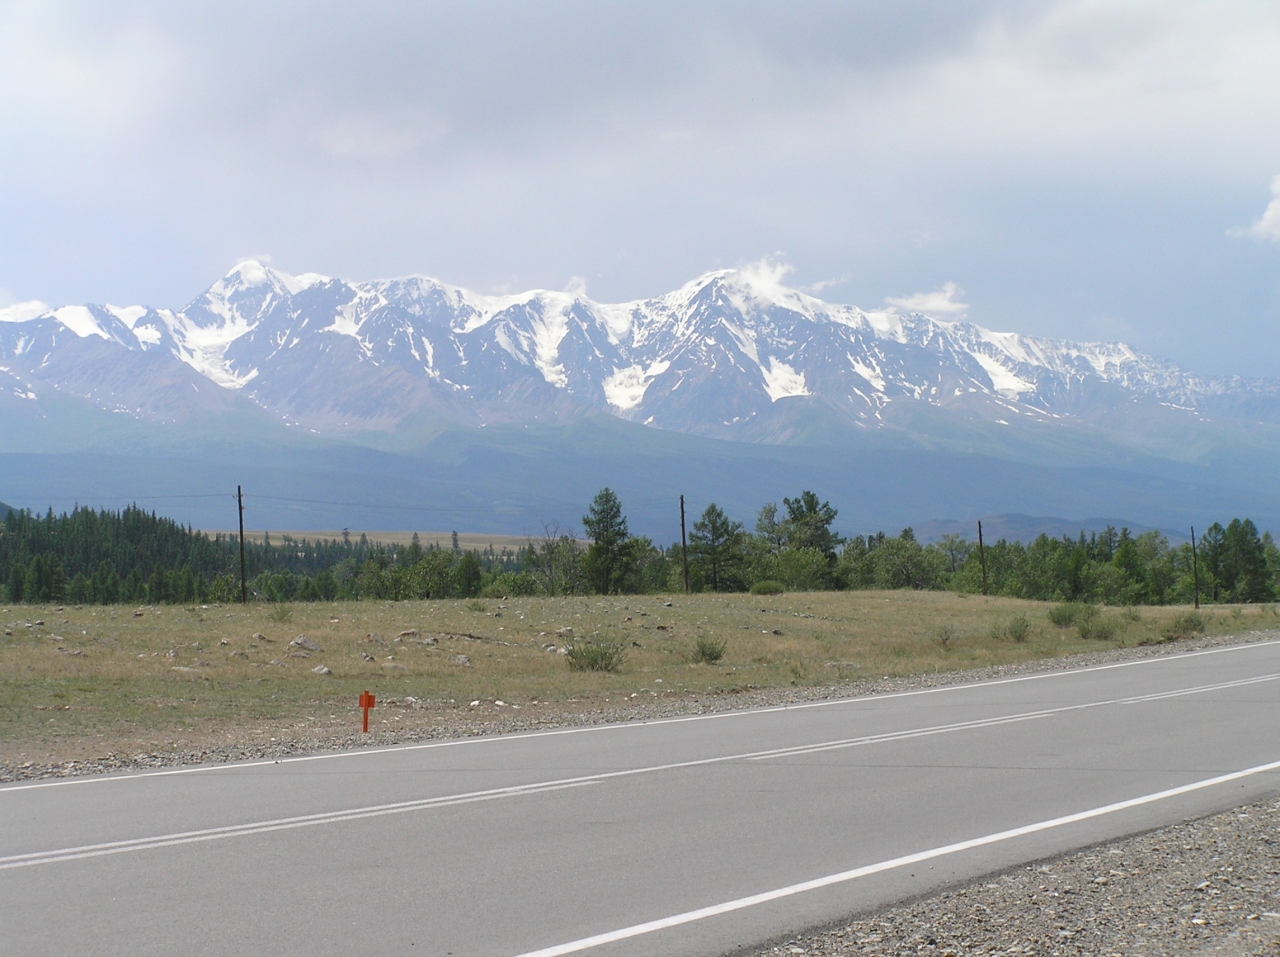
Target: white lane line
(334,817)
(688,917)
(1007,719)
(593,729)
(281,824)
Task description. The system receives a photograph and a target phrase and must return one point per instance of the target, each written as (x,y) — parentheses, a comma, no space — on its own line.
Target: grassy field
(92,679)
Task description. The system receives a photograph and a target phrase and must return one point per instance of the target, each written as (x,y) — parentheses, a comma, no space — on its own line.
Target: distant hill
(1027,528)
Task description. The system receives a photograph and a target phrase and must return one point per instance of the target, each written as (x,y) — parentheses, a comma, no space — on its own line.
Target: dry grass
(111,678)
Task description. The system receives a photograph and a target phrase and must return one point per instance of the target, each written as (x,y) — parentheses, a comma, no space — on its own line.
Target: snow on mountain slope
(734,353)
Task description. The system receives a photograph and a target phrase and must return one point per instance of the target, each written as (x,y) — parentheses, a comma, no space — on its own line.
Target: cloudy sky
(1075,169)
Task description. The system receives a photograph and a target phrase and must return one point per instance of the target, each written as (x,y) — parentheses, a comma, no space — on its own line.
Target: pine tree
(606,526)
(716,544)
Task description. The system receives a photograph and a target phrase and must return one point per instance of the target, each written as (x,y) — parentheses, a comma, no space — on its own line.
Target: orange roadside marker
(367,701)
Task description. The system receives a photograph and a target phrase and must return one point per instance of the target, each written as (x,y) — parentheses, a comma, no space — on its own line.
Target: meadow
(92,679)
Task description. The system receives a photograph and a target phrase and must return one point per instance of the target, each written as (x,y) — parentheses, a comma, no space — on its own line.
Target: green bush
(1096,627)
(595,654)
(280,612)
(1185,626)
(1018,629)
(510,585)
(799,569)
(708,651)
(944,636)
(767,588)
(1071,612)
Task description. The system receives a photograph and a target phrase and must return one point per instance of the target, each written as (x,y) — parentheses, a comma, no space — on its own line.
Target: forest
(132,556)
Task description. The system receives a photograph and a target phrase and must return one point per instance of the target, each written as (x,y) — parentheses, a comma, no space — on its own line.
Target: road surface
(687,836)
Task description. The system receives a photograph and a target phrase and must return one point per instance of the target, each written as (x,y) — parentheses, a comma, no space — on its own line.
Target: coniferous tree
(606,526)
(716,544)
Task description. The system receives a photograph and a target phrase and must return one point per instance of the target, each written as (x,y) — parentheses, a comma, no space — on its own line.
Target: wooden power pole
(982,559)
(684,547)
(244,585)
(1195,566)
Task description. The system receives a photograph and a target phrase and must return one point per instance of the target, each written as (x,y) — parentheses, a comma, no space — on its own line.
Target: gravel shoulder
(1205,887)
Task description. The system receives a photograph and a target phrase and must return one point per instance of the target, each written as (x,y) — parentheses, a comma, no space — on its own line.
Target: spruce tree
(606,526)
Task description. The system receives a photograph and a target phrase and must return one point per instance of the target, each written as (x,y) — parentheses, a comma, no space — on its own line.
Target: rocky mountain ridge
(733,354)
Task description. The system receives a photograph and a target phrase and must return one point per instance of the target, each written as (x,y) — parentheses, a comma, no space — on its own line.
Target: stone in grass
(321,670)
(464,660)
(302,641)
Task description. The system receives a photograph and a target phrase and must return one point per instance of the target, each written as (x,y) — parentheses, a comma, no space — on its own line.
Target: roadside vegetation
(126,678)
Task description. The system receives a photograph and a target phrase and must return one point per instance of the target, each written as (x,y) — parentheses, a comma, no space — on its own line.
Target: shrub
(708,651)
(1070,613)
(799,569)
(475,605)
(1096,627)
(1185,626)
(280,613)
(510,585)
(767,588)
(1018,629)
(944,636)
(1131,615)
(595,654)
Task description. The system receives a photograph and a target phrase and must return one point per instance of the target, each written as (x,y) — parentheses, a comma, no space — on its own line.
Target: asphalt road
(689,836)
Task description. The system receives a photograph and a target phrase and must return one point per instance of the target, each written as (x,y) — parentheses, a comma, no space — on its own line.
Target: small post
(1195,566)
(684,547)
(982,558)
(244,585)
(367,701)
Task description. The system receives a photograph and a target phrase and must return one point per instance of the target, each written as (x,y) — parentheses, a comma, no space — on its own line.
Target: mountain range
(300,364)
(733,354)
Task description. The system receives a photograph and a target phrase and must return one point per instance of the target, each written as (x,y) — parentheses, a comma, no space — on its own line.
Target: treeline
(1231,564)
(132,556)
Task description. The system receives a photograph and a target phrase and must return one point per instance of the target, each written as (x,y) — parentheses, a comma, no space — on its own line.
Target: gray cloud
(1073,166)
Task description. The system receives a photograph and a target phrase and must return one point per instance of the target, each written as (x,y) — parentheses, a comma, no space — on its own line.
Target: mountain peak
(735,353)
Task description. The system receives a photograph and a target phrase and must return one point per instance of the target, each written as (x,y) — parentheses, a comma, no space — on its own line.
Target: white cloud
(1266,226)
(765,276)
(22,311)
(940,302)
(814,288)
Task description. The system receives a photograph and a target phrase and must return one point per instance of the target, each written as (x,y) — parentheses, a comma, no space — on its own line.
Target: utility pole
(244,585)
(684,547)
(982,557)
(1195,566)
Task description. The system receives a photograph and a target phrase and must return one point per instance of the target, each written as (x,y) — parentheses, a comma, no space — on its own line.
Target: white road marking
(334,817)
(1006,719)
(282,824)
(593,729)
(649,927)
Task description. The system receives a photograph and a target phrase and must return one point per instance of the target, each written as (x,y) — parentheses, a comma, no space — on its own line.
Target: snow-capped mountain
(733,353)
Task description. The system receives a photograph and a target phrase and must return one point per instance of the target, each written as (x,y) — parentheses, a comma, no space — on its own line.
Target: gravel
(1206,887)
